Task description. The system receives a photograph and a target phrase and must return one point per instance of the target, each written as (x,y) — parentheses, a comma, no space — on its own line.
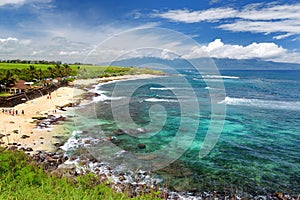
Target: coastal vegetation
(38,73)
(21,178)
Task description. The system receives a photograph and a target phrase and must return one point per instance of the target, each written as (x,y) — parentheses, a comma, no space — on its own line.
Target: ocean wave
(219,77)
(164,88)
(268,104)
(103,97)
(160,100)
(210,88)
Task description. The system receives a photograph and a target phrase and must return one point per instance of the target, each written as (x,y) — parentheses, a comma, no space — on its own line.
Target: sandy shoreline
(16,126)
(13,127)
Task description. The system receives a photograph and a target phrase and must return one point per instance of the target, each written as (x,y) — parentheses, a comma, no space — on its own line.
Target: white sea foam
(160,100)
(165,88)
(103,97)
(210,88)
(269,104)
(219,77)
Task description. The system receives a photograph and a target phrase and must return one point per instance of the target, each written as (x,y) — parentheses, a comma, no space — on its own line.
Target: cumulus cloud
(4,40)
(12,45)
(266,51)
(258,18)
(255,50)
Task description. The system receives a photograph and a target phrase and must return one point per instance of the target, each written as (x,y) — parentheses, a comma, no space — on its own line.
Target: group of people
(12,111)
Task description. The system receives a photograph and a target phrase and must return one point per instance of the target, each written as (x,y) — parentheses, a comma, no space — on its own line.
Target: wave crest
(160,100)
(268,104)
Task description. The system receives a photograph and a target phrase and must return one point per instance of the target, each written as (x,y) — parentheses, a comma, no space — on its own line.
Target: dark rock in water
(1,136)
(87,142)
(73,157)
(116,142)
(119,132)
(122,178)
(14,143)
(142,146)
(280,196)
(84,132)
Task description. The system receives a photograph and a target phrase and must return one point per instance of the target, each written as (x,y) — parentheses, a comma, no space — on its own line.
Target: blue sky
(69,30)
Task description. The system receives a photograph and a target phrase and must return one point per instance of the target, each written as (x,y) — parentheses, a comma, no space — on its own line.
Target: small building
(19,87)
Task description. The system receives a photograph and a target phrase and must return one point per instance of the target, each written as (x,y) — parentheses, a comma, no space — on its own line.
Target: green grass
(4,94)
(24,66)
(20,178)
(85,71)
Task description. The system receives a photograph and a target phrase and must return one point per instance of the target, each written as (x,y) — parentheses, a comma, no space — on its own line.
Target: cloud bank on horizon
(69,31)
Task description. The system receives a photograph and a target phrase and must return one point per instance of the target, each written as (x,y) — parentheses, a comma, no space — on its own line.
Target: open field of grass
(84,71)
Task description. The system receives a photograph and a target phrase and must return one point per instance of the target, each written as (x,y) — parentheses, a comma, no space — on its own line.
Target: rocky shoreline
(134,184)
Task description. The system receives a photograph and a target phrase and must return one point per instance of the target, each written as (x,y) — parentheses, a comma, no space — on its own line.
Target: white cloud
(4,40)
(266,51)
(290,27)
(258,18)
(197,16)
(21,2)
(138,43)
(278,37)
(8,2)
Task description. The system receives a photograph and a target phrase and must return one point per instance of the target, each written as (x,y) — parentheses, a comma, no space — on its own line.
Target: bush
(22,179)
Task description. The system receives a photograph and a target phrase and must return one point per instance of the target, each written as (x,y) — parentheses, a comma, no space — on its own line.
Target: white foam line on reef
(268,104)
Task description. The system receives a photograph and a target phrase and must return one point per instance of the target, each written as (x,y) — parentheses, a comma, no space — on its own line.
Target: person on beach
(22,112)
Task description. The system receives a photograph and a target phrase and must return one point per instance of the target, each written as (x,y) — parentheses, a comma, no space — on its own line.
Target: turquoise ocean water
(258,150)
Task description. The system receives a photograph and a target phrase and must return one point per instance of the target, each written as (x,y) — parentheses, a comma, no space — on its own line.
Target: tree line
(38,62)
(33,74)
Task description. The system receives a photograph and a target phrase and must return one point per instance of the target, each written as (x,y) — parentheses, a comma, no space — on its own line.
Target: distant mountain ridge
(221,63)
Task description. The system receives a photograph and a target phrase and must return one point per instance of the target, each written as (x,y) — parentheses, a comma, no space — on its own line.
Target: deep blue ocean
(257,151)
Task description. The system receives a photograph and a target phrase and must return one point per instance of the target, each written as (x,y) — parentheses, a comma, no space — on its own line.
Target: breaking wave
(219,77)
(268,104)
(160,100)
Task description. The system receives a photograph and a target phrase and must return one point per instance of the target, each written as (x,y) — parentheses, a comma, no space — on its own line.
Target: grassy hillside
(20,178)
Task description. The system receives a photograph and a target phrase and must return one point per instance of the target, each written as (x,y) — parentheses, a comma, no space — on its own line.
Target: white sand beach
(14,126)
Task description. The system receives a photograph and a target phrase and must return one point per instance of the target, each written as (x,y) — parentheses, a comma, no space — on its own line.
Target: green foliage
(22,179)
(9,73)
(88,71)
(30,72)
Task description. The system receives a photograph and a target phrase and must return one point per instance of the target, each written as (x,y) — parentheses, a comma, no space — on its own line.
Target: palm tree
(40,74)
(66,70)
(32,71)
(9,78)
(50,72)
(58,70)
